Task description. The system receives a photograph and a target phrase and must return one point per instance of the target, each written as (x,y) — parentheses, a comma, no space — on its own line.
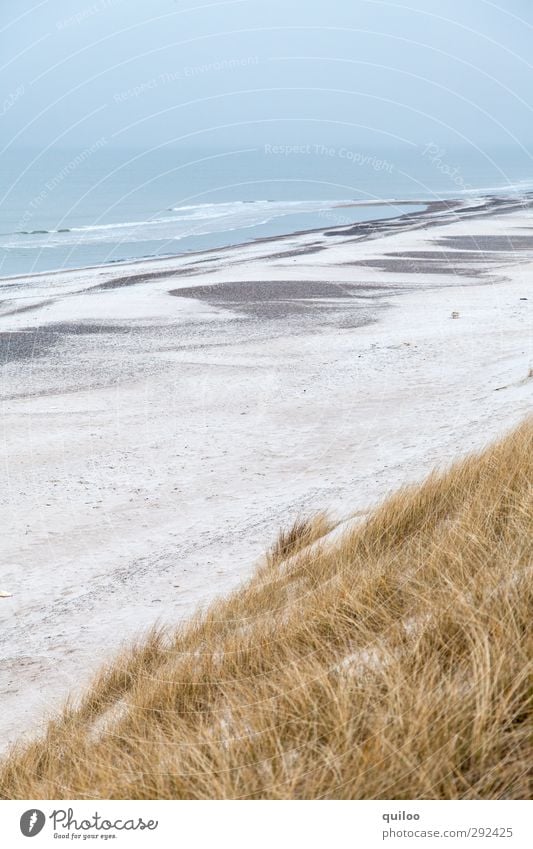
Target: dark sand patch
(449,255)
(87,328)
(33,342)
(267,290)
(25,344)
(511,244)
(281,298)
(414,266)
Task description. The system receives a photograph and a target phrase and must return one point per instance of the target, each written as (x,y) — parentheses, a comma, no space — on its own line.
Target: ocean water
(64,208)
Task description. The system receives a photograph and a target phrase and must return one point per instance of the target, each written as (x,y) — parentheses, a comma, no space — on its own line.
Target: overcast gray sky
(205,73)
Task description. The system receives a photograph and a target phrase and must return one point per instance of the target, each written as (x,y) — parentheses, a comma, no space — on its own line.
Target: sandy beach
(162,419)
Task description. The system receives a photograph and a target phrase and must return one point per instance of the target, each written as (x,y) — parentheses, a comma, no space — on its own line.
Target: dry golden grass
(390,663)
(302,533)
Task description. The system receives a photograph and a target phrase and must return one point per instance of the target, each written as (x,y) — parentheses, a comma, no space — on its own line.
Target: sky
(205,74)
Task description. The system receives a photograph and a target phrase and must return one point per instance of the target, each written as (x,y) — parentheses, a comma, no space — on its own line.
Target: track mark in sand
(523,382)
(29,308)
(308,249)
(136,279)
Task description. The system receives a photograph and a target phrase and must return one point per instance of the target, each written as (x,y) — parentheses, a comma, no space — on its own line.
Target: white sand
(146,471)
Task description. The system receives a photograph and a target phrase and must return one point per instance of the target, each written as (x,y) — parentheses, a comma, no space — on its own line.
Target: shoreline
(236,245)
(154,442)
(427,216)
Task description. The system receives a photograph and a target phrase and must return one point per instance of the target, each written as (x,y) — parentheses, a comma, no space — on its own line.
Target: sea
(64,208)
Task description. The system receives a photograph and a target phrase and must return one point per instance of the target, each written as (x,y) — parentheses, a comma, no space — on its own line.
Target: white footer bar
(268,825)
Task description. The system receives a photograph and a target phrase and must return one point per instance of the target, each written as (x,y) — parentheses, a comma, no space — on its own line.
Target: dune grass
(391,662)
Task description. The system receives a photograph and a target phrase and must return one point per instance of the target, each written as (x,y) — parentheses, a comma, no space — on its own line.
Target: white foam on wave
(189,220)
